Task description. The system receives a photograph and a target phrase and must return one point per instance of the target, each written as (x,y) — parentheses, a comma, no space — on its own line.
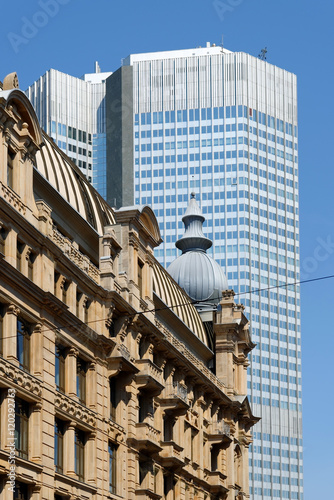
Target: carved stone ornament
(75,410)
(11,81)
(109,320)
(21,378)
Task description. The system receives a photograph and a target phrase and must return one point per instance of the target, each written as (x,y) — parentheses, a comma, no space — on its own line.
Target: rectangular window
(140,277)
(77,303)
(21,427)
(2,312)
(86,311)
(169,423)
(144,469)
(31,260)
(60,368)
(81,380)
(64,289)
(19,252)
(21,491)
(169,484)
(3,236)
(193,444)
(23,344)
(10,168)
(113,400)
(79,453)
(59,445)
(112,448)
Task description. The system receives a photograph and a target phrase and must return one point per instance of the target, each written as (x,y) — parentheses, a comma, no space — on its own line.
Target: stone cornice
(204,375)
(61,479)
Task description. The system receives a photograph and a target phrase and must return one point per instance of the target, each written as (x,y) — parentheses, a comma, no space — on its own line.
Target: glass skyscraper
(72,111)
(224,125)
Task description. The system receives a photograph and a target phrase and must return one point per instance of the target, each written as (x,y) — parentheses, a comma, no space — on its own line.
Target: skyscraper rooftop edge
(197,51)
(166,54)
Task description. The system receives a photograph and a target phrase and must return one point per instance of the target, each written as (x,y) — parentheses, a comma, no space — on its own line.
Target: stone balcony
(149,377)
(147,494)
(171,455)
(146,438)
(190,469)
(174,399)
(219,432)
(121,360)
(216,481)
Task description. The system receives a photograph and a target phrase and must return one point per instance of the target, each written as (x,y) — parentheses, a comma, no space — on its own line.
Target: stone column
(11,247)
(36,340)
(71,296)
(10,333)
(71,372)
(35,433)
(91,385)
(90,458)
(69,456)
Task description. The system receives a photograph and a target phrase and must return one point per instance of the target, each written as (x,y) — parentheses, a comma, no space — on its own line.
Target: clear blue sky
(299,36)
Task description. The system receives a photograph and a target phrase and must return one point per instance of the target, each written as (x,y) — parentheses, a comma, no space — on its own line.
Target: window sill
(73,481)
(26,464)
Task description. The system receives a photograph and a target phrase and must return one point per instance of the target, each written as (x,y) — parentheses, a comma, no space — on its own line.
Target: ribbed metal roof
(174,297)
(195,271)
(73,186)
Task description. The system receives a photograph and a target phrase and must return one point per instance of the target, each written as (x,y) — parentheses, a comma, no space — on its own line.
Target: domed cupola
(195,271)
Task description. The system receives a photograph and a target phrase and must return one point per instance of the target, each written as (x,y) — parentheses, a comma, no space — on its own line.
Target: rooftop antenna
(222,43)
(263,54)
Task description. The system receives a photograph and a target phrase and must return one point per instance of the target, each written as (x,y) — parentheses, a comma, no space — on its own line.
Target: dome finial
(193,238)
(195,271)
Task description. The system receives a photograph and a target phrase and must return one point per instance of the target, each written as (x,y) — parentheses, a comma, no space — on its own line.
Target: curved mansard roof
(174,297)
(68,180)
(63,175)
(58,169)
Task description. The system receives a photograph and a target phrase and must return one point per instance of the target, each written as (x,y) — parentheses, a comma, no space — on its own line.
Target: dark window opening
(23,331)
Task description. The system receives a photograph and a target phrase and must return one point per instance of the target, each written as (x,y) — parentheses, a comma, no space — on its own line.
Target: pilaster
(10,329)
(71,372)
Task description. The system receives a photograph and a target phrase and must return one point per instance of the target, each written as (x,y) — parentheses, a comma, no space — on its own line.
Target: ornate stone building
(120,389)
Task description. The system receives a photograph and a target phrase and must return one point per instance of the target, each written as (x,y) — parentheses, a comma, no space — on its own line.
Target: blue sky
(299,37)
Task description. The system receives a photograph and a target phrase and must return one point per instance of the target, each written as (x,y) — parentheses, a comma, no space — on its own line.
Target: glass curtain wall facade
(72,111)
(224,125)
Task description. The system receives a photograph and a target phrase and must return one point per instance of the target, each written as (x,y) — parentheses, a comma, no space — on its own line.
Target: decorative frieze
(78,258)
(74,410)
(12,198)
(11,373)
(190,357)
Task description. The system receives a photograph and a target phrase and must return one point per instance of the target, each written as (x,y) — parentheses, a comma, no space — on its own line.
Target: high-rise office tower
(72,111)
(224,125)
